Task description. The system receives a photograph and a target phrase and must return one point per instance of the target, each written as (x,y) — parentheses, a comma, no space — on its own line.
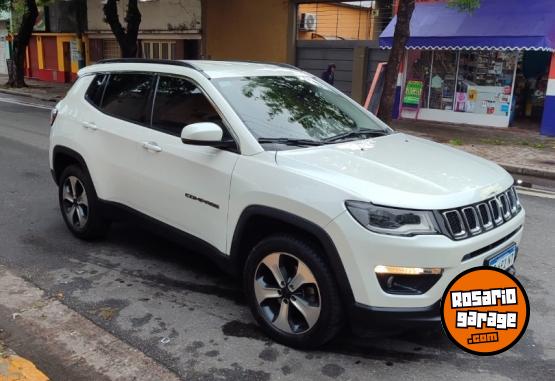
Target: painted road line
(28,104)
(536,192)
(15,368)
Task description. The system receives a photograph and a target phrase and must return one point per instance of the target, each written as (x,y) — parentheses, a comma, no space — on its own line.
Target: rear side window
(95,90)
(127,96)
(179,102)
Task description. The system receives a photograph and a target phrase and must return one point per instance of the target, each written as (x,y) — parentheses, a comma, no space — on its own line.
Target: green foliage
(285,95)
(456,142)
(465,5)
(18,8)
(5,5)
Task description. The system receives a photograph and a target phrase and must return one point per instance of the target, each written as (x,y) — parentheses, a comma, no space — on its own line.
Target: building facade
(490,67)
(170,29)
(4,44)
(54,52)
(335,21)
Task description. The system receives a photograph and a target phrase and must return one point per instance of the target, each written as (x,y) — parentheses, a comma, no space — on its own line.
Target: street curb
(34,96)
(527,171)
(65,344)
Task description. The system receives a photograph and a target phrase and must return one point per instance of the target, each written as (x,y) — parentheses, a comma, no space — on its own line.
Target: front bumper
(361,251)
(364,318)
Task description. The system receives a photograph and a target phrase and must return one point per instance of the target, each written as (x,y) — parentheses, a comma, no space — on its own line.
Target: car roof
(209,68)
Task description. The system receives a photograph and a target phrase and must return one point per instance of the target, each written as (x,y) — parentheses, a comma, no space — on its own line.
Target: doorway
(67,62)
(530,89)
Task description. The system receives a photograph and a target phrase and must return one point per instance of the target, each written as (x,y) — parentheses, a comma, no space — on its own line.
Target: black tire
(330,319)
(95,226)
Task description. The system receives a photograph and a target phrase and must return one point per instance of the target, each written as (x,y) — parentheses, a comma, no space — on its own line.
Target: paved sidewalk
(46,91)
(520,151)
(63,343)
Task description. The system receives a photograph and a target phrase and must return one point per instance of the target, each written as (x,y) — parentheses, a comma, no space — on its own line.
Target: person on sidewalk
(329,74)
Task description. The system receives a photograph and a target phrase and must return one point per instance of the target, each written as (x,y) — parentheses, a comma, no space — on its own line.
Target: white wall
(181,15)
(4,47)
(458,117)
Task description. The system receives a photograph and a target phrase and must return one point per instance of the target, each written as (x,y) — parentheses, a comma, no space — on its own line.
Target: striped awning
(496,25)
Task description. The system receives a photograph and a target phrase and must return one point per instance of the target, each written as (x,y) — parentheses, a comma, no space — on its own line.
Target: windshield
(296,108)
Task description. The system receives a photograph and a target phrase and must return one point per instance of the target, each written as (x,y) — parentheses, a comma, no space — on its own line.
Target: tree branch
(112,18)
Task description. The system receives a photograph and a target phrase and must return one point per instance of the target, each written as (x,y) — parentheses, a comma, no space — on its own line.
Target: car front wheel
(292,293)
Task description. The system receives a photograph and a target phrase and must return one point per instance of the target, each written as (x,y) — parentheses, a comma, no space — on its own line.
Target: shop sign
(413,93)
(75,50)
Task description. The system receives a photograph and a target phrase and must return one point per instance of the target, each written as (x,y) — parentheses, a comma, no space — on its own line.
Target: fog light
(407,280)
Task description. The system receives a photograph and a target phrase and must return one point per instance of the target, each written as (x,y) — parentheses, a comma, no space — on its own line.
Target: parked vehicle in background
(327,215)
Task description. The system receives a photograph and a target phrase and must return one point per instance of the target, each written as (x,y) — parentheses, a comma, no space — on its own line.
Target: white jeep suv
(327,215)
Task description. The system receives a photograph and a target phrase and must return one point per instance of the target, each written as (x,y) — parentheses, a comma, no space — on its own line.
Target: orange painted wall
(246,30)
(333,20)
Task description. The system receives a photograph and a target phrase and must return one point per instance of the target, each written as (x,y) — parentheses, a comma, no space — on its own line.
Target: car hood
(400,170)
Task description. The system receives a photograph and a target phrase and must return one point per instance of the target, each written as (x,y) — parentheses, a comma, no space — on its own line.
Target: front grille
(472,220)
(491,246)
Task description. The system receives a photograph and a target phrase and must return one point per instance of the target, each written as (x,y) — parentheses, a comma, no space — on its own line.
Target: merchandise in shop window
(486,77)
(442,89)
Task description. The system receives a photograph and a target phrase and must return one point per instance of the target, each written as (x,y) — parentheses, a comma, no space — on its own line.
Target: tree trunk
(80,20)
(400,38)
(20,42)
(127,39)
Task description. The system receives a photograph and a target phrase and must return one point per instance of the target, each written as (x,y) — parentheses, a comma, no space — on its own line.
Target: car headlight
(386,220)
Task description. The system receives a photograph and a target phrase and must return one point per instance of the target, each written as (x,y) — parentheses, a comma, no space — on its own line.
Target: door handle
(152,146)
(89,126)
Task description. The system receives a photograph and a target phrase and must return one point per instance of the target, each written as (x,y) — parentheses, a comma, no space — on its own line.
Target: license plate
(503,260)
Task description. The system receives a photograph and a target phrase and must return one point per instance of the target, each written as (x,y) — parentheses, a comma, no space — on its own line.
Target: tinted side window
(179,102)
(127,96)
(95,90)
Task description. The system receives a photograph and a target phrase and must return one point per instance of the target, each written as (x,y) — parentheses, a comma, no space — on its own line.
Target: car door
(122,126)
(186,186)
(89,139)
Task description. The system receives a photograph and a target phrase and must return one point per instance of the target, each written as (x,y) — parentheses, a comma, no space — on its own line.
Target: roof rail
(280,64)
(285,65)
(146,60)
(152,61)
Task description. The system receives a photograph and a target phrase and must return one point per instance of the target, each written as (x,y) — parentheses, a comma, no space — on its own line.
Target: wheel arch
(62,157)
(258,221)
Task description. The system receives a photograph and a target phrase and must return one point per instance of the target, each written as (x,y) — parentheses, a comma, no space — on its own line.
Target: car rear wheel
(79,204)
(292,293)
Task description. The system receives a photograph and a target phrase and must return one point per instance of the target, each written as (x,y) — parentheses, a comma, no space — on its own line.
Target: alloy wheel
(75,202)
(287,293)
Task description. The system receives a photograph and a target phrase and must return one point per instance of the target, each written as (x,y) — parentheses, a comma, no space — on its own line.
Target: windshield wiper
(355,134)
(291,142)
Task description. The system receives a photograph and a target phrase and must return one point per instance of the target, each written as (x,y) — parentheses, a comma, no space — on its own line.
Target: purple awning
(497,24)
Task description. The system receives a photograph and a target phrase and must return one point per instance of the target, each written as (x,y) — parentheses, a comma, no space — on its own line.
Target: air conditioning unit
(308,22)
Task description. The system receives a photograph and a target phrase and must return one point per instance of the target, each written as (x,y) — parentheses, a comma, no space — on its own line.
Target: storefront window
(479,81)
(419,66)
(485,82)
(442,83)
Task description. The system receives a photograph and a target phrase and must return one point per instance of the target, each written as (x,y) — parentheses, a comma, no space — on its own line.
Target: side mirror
(205,134)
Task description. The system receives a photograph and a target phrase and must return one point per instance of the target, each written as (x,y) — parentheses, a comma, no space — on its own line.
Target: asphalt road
(177,308)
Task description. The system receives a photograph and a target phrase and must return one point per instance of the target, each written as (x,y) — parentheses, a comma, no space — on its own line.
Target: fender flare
(330,251)
(62,150)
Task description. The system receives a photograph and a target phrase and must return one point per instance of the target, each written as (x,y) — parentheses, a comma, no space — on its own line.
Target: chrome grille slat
(455,223)
(505,209)
(476,219)
(485,216)
(471,218)
(512,200)
(496,211)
